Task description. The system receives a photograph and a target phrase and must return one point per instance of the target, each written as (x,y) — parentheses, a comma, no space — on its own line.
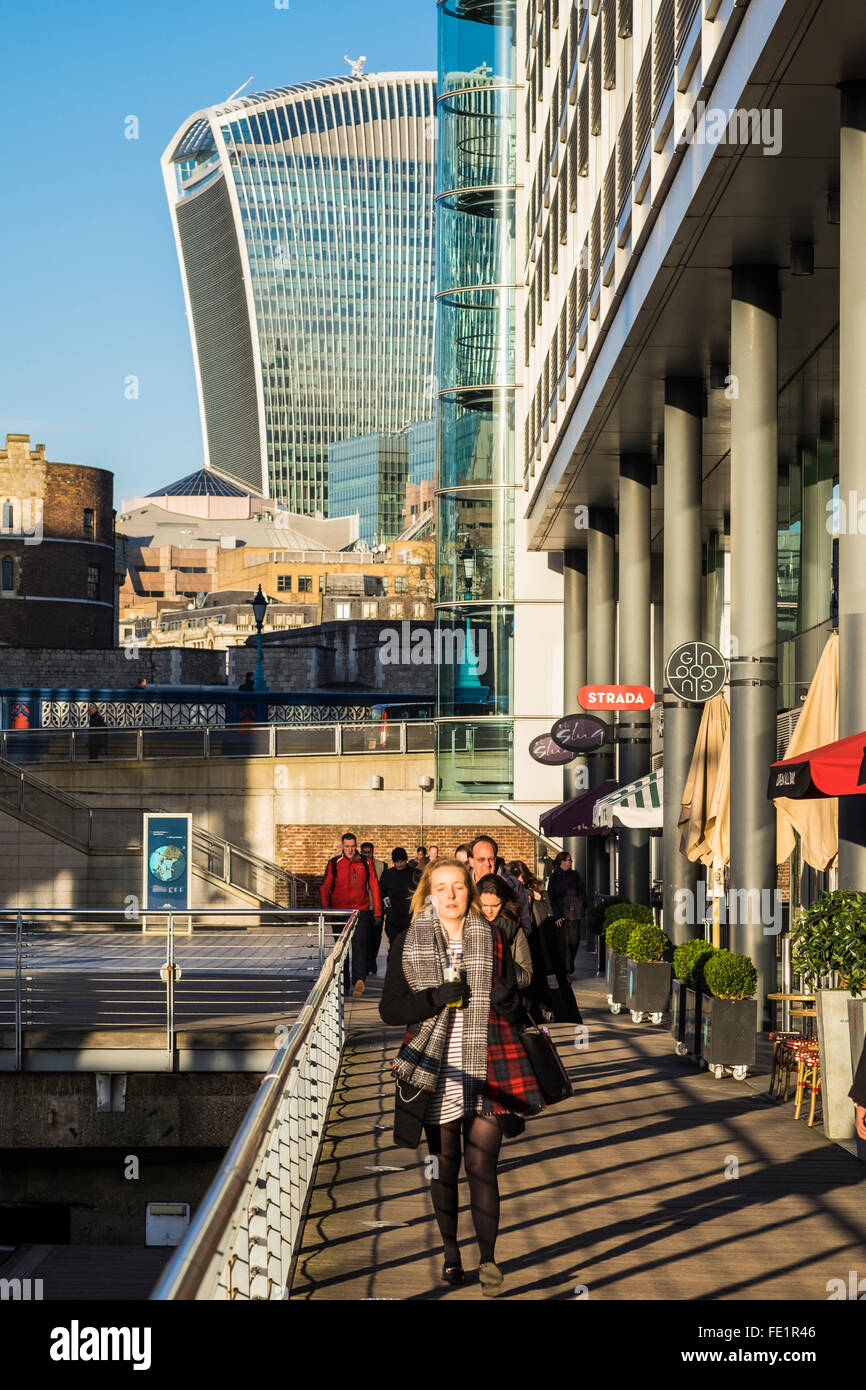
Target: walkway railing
(67,975)
(244,1237)
(29,747)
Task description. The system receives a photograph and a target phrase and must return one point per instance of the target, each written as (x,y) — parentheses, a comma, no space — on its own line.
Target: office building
(303,218)
(368,476)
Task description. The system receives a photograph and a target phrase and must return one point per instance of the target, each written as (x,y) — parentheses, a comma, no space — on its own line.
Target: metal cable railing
(245,1235)
(72,979)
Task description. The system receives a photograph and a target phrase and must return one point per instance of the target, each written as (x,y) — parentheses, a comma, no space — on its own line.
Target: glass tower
(476,185)
(303,219)
(368,476)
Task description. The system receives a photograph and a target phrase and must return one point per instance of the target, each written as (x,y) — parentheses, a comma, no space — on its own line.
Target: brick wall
(306,849)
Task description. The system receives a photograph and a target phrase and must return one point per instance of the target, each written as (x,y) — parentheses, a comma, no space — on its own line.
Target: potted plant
(730,1014)
(649,973)
(828,938)
(616,965)
(632,912)
(689,959)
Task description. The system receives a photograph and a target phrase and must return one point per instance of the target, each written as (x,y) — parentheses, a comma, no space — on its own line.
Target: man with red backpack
(350,883)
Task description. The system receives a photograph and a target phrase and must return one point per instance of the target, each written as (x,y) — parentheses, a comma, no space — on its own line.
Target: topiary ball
(729,975)
(689,961)
(616,935)
(648,943)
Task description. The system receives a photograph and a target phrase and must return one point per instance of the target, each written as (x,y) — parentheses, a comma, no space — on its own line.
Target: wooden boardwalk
(623,1192)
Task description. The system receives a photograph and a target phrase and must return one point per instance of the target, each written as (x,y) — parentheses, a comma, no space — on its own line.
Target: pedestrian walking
(349,883)
(96,743)
(858,1095)
(567,894)
(552,994)
(484,853)
(432,853)
(248,682)
(499,906)
(421,860)
(462,854)
(396,886)
(378,866)
(462,1074)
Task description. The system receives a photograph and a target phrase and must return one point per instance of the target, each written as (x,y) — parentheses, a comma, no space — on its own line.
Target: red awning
(837,769)
(574,817)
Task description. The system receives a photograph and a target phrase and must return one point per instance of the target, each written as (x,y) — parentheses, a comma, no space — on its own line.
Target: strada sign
(615,697)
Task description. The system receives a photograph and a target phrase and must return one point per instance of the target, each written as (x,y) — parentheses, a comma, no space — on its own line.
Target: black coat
(858,1090)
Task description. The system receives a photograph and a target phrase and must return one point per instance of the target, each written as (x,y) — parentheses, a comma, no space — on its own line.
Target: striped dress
(446,1103)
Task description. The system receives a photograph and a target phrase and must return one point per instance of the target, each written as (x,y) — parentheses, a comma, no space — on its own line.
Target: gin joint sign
(696,672)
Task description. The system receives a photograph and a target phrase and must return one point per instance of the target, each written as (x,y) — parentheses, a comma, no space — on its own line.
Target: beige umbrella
(816,820)
(705,816)
(707,773)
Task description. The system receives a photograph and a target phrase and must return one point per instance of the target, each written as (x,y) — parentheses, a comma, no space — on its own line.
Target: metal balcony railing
(245,1235)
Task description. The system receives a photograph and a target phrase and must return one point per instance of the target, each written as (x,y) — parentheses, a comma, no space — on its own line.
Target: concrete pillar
(754,501)
(600,663)
(635,479)
(713,590)
(575,777)
(682,623)
(852,466)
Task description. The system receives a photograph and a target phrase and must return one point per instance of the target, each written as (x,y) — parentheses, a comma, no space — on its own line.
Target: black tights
(482,1139)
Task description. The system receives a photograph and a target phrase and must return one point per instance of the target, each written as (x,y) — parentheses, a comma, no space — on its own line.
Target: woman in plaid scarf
(462,1071)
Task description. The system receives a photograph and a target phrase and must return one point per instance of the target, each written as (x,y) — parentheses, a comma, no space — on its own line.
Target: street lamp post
(426,785)
(468,687)
(260,607)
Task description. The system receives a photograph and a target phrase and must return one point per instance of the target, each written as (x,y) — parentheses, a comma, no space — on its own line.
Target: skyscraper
(304,223)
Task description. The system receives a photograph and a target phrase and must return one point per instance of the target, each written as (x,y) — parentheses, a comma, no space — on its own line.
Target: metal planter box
(649,986)
(616,974)
(692,1021)
(834,1041)
(678,1010)
(728,1033)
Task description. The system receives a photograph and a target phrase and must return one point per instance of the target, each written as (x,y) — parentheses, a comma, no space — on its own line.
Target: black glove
(449,993)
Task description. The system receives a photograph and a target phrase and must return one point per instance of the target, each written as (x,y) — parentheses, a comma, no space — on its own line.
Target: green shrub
(616,934)
(689,961)
(648,943)
(729,975)
(619,911)
(831,935)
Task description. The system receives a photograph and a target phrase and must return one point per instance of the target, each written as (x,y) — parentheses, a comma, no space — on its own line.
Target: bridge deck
(622,1190)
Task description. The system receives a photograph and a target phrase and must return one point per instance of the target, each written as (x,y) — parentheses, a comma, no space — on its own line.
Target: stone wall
(354,654)
(72,669)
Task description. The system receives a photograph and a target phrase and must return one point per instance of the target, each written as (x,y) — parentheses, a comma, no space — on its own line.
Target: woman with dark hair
(500,906)
(568,901)
(551,991)
(461,1072)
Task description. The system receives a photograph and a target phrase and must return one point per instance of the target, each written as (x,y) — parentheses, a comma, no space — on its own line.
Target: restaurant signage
(544,750)
(696,672)
(580,733)
(615,697)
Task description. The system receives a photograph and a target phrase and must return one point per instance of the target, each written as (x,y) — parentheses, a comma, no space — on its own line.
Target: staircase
(116,830)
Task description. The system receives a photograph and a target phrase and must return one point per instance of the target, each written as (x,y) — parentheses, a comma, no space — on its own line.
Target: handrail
(189,1266)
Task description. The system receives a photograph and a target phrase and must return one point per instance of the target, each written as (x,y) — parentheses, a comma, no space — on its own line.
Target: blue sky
(90,289)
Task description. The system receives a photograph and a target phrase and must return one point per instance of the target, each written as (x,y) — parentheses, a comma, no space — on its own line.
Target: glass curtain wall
(476,385)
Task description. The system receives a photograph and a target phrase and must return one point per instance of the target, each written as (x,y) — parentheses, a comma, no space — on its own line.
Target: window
(401,585)
(342,611)
(284,583)
(368,610)
(321,583)
(93,581)
(7,571)
(395,610)
(8,519)
(88,523)
(305,584)
(418,610)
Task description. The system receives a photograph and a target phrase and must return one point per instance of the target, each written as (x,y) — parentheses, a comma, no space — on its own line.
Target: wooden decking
(655,1181)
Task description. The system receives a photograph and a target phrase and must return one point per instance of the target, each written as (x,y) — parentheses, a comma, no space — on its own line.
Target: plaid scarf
(497,1076)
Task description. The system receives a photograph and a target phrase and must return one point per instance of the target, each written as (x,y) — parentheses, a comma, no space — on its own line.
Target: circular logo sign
(580,733)
(544,750)
(696,672)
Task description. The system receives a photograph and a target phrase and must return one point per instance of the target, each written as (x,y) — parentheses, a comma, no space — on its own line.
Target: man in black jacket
(396,886)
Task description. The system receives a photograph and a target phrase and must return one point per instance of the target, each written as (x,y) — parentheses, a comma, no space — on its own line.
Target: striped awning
(639,804)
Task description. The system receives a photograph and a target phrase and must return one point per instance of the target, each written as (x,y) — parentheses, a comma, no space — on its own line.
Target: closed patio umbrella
(815,821)
(706,795)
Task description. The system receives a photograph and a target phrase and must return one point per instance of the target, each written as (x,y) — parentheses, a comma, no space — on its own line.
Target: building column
(852,467)
(633,732)
(575,776)
(682,623)
(754,504)
(600,666)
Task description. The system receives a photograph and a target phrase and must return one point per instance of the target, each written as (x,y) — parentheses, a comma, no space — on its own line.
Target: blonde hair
(421,897)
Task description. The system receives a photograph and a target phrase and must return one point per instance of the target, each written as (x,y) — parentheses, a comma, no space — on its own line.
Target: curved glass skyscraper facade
(305,231)
(476,380)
